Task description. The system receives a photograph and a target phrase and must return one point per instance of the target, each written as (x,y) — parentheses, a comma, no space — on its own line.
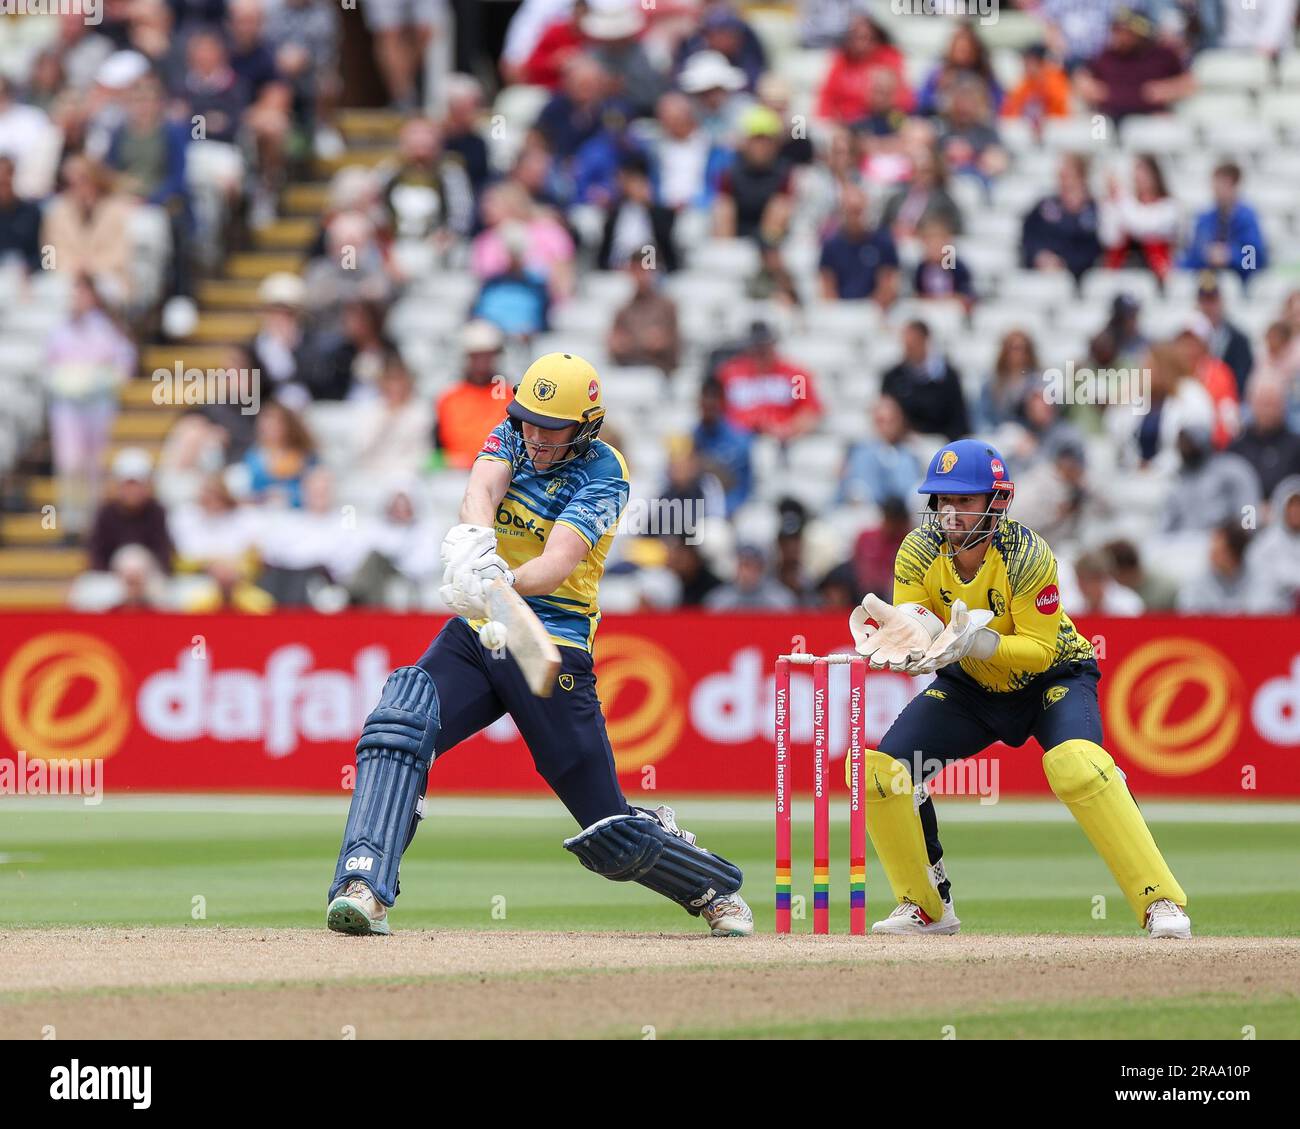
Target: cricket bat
(526,639)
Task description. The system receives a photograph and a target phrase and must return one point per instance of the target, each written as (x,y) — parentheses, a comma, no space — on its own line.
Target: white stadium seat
(1156,133)
(1235,70)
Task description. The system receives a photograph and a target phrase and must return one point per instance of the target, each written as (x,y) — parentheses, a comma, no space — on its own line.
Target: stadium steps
(291,234)
(24,595)
(368,157)
(25,564)
(27,529)
(203,356)
(42,490)
(224,327)
(129,427)
(256,265)
(369,126)
(305,199)
(227,294)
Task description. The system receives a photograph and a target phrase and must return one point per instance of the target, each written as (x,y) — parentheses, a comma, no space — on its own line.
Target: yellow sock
(895,830)
(1084,777)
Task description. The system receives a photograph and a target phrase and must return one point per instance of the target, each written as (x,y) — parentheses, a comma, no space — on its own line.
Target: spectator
(354,268)
(1227,342)
(279,460)
(31,141)
(1096,592)
(131,516)
(545,247)
(866,47)
(723,31)
(529,23)
(688,162)
(968,138)
(1267,443)
(1215,377)
(1036,430)
(753,589)
(967,57)
(429,190)
(88,230)
(613,39)
(689,488)
(476,403)
(766,393)
(1268,29)
(1120,341)
(791,567)
(1227,236)
(1077,30)
(20,223)
(283,350)
(1156,593)
(305,550)
(515,299)
(753,199)
(231,589)
(635,225)
(724,449)
(461,130)
(1135,73)
(1043,91)
(1053,483)
(858,261)
(305,36)
(1228,586)
(884,466)
(694,577)
(1150,437)
(924,197)
(210,436)
(1061,233)
(879,132)
(401,32)
(401,552)
(87,359)
(581,108)
(715,85)
(940,274)
(559,40)
(775,92)
(876,549)
(645,330)
(927,387)
(1274,555)
(1015,371)
(1212,488)
(1139,227)
(839,166)
(143,586)
(393,428)
(352,360)
(213,527)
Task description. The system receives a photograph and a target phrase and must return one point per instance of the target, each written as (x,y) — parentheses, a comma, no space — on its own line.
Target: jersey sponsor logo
(492,444)
(1048,600)
(515,521)
(997,468)
(593,391)
(1054,694)
(543,389)
(947,461)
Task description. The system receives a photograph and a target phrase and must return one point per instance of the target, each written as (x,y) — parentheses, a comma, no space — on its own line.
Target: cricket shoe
(729,916)
(908,918)
(356,910)
(1167,920)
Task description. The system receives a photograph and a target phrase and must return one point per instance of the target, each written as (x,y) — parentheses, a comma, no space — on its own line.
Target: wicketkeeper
(976,603)
(540,511)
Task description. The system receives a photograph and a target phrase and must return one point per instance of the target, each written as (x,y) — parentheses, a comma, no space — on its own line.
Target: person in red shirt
(766,393)
(545,66)
(473,406)
(1193,344)
(865,48)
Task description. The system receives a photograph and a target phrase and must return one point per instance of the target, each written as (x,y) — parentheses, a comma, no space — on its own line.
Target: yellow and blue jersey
(588,494)
(1016,581)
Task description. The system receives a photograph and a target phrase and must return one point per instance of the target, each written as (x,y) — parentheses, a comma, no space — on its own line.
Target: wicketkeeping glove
(900,639)
(967,633)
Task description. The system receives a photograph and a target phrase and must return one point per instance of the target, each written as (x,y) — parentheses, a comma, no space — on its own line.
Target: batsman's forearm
(542,575)
(478,507)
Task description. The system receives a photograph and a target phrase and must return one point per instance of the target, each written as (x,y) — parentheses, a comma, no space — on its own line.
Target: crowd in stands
(803,253)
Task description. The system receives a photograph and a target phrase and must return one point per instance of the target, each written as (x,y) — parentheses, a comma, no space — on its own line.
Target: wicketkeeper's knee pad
(1085,778)
(639,848)
(895,830)
(393,759)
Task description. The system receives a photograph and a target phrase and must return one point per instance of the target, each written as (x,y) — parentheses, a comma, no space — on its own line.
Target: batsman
(976,603)
(539,513)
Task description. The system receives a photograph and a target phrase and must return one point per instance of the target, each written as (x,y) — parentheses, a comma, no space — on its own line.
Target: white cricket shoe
(356,910)
(729,916)
(908,918)
(1167,920)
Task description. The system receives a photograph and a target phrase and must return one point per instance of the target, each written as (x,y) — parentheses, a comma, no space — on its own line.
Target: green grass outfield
(480,863)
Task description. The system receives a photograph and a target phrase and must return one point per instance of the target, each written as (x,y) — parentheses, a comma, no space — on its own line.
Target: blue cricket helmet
(969,466)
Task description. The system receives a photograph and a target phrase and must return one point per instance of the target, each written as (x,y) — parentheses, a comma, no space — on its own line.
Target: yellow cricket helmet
(559,390)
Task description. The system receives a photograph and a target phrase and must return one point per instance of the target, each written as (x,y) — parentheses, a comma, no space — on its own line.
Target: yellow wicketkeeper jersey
(1016,582)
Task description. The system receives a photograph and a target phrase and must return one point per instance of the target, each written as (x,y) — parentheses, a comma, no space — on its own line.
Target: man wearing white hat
(715,85)
(612,29)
